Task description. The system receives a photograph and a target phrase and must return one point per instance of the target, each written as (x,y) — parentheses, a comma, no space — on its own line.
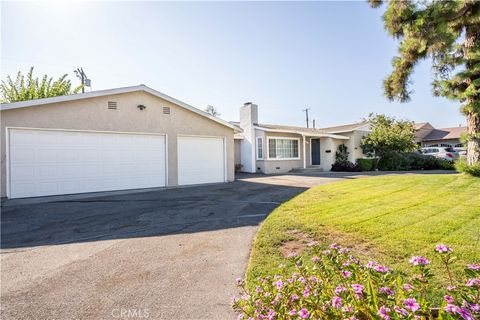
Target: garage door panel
(200,160)
(61,162)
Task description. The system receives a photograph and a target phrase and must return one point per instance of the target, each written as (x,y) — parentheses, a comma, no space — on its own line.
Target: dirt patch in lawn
(297,245)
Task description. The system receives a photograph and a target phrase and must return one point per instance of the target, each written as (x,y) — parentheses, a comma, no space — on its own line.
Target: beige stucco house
(428,136)
(125,138)
(268,148)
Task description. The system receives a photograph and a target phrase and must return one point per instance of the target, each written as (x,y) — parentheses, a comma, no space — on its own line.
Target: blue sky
(328,56)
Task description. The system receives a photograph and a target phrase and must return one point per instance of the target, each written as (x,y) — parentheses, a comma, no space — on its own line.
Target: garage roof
(100,93)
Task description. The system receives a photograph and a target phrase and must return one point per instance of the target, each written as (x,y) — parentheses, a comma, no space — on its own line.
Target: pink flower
(327,252)
(306,292)
(312,244)
(411,304)
(271,315)
(371,264)
(475,307)
(473,283)
(315,259)
(303,313)
(239,281)
(294,297)
(302,280)
(407,287)
(292,312)
(292,255)
(419,261)
(340,289)
(451,288)
(347,309)
(381,269)
(336,302)
(334,246)
(448,299)
(344,250)
(451,308)
(441,248)
(474,267)
(402,312)
(346,274)
(279,284)
(383,312)
(357,288)
(386,290)
(258,289)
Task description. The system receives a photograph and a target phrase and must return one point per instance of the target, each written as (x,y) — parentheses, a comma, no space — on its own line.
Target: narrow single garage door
(52,162)
(200,160)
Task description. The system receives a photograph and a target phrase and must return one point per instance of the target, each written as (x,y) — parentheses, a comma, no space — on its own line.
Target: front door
(315,144)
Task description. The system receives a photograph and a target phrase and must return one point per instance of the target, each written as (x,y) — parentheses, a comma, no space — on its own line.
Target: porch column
(304,153)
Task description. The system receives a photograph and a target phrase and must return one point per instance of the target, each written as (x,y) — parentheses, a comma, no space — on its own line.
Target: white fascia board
(100,93)
(363,127)
(327,135)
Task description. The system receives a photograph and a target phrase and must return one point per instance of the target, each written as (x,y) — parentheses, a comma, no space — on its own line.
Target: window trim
(260,143)
(282,138)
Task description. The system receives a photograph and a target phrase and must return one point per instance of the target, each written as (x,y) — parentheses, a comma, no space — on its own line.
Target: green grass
(387,218)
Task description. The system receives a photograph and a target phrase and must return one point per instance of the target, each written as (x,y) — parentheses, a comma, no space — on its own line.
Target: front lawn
(387,218)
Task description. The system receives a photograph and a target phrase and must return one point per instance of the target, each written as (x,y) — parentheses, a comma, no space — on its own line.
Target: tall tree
(212,110)
(28,87)
(388,135)
(449,33)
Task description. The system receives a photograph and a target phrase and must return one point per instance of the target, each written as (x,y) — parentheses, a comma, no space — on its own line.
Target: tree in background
(388,135)
(29,88)
(212,110)
(449,33)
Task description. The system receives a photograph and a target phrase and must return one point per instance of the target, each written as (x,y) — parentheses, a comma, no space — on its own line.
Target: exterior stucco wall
(451,142)
(353,144)
(281,166)
(237,150)
(92,114)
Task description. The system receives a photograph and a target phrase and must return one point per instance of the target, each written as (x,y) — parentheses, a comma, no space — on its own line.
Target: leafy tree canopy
(29,87)
(388,135)
(212,110)
(449,33)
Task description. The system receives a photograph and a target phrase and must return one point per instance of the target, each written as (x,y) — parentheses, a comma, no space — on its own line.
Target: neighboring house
(125,138)
(427,136)
(271,148)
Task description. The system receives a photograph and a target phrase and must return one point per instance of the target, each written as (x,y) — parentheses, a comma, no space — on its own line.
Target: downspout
(304,153)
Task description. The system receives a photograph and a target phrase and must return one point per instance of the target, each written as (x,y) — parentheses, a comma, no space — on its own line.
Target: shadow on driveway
(141,214)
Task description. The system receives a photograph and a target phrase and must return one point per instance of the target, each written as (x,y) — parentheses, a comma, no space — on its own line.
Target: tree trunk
(473,130)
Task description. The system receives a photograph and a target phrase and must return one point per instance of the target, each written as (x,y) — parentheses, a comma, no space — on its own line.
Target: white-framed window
(283,148)
(259,148)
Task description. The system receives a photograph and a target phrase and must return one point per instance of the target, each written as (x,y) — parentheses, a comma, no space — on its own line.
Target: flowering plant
(337,285)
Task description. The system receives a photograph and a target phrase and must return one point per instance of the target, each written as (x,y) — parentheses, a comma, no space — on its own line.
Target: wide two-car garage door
(52,162)
(201,160)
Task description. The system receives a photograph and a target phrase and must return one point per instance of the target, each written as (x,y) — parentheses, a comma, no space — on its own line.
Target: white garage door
(51,162)
(201,160)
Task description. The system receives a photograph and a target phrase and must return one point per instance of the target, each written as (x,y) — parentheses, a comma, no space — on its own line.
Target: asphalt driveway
(165,254)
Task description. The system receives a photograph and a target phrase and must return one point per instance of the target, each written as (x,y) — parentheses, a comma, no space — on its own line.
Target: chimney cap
(247,103)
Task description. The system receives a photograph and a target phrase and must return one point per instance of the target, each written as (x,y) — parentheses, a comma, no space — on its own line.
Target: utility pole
(313,123)
(83,78)
(306,114)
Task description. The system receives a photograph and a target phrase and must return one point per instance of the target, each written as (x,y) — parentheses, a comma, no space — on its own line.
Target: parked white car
(446,153)
(462,152)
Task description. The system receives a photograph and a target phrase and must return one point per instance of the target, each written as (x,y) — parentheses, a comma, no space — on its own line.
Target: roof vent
(166,110)
(112,105)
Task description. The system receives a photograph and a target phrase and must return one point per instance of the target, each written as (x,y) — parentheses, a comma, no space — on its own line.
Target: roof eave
(101,93)
(307,134)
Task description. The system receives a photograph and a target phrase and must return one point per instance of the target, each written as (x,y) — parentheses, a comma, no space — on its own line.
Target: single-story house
(125,138)
(268,148)
(427,136)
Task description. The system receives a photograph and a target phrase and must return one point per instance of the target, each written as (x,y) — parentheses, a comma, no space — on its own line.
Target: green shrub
(366,164)
(394,162)
(412,161)
(462,166)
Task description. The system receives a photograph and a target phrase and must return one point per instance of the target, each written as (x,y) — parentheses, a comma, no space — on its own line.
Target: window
(259,148)
(283,148)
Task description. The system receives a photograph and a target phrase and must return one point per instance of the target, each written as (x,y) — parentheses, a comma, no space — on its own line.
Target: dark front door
(315,144)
